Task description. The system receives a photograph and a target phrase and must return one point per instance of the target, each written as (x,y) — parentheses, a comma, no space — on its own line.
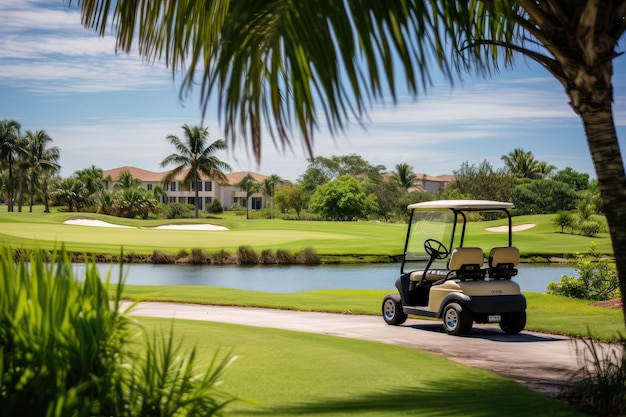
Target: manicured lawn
(46,231)
(546,313)
(293,374)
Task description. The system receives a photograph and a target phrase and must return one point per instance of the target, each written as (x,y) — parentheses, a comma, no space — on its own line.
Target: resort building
(178,192)
(430,184)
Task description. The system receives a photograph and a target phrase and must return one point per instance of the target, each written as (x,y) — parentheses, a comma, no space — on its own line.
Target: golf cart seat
(466,264)
(432,275)
(502,262)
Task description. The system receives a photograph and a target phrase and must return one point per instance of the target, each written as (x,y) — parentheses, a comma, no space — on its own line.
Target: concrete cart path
(539,361)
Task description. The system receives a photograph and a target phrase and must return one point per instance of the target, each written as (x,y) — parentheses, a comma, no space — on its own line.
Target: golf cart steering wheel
(435,249)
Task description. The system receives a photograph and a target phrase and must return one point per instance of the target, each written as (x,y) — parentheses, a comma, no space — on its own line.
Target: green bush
(66,349)
(215,207)
(267,257)
(589,228)
(307,256)
(284,257)
(199,257)
(247,256)
(179,211)
(597,279)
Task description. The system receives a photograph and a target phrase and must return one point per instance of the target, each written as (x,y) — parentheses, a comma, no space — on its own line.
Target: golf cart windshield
(446,223)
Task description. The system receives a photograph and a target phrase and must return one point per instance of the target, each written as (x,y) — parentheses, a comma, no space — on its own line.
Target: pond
(296,278)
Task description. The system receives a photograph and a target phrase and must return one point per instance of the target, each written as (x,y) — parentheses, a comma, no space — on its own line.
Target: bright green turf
(546,313)
(293,374)
(46,231)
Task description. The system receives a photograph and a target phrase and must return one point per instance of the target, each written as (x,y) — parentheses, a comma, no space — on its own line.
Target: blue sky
(110,110)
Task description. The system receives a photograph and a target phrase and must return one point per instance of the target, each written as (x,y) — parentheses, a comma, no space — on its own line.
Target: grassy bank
(332,241)
(546,313)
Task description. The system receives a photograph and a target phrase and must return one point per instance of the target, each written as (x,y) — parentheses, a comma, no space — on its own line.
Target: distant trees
(250,186)
(41,164)
(522,164)
(480,182)
(404,175)
(268,187)
(9,137)
(343,199)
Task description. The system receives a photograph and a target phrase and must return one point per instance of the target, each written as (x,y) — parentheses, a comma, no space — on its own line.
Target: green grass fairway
(294,374)
(47,231)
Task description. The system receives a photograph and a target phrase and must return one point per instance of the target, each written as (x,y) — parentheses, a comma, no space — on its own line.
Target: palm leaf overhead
(281,64)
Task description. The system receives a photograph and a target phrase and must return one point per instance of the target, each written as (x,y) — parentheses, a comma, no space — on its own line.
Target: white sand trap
(94,222)
(188,227)
(517,228)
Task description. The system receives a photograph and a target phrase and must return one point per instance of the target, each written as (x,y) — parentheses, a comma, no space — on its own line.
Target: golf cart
(454,284)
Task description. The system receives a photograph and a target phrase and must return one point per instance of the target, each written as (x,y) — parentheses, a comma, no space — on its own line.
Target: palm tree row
(34,161)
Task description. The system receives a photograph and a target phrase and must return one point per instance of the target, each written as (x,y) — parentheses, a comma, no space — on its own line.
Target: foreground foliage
(602,387)
(66,350)
(597,279)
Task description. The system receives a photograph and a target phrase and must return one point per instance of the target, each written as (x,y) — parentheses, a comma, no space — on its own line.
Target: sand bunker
(100,223)
(517,228)
(188,227)
(94,222)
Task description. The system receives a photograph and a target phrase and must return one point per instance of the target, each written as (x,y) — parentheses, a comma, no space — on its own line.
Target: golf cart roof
(470,205)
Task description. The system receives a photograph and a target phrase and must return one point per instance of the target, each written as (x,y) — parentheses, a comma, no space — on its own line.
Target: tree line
(344,187)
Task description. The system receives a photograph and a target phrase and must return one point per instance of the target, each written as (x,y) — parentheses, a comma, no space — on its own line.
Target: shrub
(221,258)
(590,228)
(267,257)
(159,257)
(215,207)
(247,256)
(179,211)
(69,350)
(199,257)
(307,256)
(284,257)
(564,220)
(601,388)
(597,279)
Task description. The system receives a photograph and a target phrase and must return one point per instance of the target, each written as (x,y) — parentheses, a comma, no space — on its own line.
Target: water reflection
(289,279)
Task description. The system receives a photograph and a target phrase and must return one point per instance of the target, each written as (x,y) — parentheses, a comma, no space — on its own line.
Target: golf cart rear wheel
(456,320)
(513,323)
(392,310)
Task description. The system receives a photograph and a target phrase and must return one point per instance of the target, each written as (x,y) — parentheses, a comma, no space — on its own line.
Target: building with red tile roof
(177,191)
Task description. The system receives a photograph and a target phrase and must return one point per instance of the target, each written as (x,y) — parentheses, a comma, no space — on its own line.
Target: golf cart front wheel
(513,323)
(392,310)
(456,320)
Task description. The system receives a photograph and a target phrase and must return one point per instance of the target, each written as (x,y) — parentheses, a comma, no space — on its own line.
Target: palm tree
(268,187)
(41,163)
(404,175)
(9,135)
(195,156)
(250,186)
(126,180)
(355,49)
(521,164)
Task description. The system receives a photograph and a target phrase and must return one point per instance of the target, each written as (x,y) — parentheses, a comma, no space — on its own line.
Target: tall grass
(67,349)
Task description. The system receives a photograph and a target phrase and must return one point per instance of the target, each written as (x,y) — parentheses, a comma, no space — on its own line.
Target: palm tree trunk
(605,152)
(10,182)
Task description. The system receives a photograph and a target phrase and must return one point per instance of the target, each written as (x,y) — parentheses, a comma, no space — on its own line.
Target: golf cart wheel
(513,323)
(456,320)
(392,310)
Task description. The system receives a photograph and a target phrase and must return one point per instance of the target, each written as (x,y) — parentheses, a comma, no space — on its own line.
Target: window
(181,200)
(149,187)
(256,203)
(208,200)
(191,200)
(172,199)
(173,186)
(198,186)
(208,186)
